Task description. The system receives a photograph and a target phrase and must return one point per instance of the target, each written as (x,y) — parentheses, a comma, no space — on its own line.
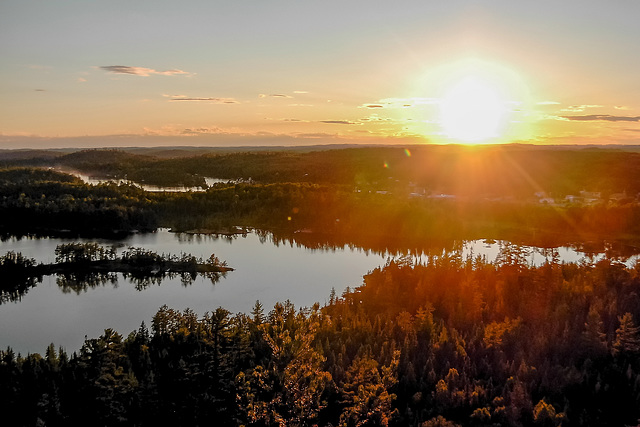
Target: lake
(264,271)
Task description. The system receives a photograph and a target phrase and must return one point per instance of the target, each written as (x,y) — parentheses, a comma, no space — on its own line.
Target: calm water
(154,188)
(263,271)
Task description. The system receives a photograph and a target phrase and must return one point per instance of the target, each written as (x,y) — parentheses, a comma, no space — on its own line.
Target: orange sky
(78,73)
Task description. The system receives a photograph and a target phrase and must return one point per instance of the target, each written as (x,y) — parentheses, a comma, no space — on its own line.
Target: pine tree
(595,340)
(544,414)
(366,392)
(627,337)
(257,313)
(289,390)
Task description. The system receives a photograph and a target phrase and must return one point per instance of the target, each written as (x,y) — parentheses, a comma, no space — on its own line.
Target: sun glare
(472,111)
(475,101)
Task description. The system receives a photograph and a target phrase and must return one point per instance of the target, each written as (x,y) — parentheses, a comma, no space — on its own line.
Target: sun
(472,110)
(472,101)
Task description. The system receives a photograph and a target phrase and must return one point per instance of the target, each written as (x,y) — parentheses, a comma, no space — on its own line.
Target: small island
(83,261)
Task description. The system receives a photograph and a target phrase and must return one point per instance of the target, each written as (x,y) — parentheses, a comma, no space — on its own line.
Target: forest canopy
(450,342)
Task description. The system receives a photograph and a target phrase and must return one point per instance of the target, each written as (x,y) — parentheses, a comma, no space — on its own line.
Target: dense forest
(445,342)
(516,171)
(449,342)
(46,202)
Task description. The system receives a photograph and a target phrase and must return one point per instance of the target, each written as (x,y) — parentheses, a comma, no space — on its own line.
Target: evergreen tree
(366,390)
(627,341)
(594,338)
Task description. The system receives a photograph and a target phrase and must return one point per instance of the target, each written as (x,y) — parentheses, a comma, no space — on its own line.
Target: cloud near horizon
(203,131)
(580,108)
(339,122)
(205,99)
(141,71)
(602,118)
(400,102)
(274,95)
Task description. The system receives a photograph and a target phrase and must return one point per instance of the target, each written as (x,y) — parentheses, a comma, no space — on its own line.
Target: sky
(294,72)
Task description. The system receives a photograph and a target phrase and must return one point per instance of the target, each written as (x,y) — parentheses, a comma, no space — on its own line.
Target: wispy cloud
(177,130)
(400,102)
(580,108)
(602,118)
(547,103)
(274,95)
(199,99)
(203,131)
(375,118)
(141,71)
(286,120)
(316,135)
(339,122)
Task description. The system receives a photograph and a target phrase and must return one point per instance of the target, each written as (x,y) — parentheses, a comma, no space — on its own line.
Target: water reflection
(13,291)
(92,180)
(489,250)
(81,282)
(14,287)
(269,267)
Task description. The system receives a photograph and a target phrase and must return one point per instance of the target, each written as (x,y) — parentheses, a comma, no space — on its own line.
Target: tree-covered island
(78,263)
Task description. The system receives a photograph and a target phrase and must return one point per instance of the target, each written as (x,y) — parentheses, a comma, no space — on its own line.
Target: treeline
(476,172)
(472,172)
(45,202)
(37,201)
(445,343)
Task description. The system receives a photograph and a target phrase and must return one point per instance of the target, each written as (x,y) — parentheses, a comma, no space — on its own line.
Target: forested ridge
(448,342)
(492,171)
